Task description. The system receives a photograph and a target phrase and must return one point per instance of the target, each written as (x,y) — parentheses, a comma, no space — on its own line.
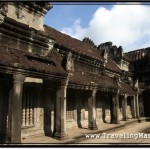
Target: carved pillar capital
(18,78)
(64,82)
(94,91)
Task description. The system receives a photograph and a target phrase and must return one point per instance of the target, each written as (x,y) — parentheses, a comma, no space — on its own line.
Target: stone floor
(77,134)
(142,128)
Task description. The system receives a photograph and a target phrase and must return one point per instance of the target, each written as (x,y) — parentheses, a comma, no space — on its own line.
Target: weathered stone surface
(32,49)
(60,111)
(115,108)
(92,110)
(15,107)
(27,13)
(124,108)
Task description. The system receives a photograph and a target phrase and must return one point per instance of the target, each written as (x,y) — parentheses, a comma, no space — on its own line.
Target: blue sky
(61,16)
(125,25)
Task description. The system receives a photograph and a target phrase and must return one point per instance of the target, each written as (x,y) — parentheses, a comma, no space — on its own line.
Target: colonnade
(15,109)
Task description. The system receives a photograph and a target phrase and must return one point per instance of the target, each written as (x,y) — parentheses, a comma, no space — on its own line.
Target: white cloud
(126,25)
(76,30)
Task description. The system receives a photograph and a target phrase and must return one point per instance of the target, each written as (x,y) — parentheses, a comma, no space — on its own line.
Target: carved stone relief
(70,63)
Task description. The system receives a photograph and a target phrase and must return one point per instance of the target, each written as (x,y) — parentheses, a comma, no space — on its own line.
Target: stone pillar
(15,109)
(115,108)
(124,108)
(60,111)
(78,101)
(92,110)
(137,105)
(133,109)
(141,107)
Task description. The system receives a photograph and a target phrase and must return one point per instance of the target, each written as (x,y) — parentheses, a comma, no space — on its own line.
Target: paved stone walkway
(77,134)
(131,133)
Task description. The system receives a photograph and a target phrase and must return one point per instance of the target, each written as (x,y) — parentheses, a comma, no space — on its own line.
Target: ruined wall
(22,24)
(125,65)
(23,15)
(31,14)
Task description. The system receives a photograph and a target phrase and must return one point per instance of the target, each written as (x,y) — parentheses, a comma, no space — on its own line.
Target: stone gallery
(50,82)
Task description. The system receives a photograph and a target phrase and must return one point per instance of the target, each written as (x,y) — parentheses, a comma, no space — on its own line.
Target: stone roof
(80,47)
(126,88)
(111,65)
(28,61)
(89,78)
(52,63)
(73,44)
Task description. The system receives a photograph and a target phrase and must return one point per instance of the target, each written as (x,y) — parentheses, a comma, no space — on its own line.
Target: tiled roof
(25,60)
(112,66)
(72,43)
(88,78)
(79,47)
(125,88)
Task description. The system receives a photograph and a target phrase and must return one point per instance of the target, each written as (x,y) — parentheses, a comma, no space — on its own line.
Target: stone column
(92,110)
(60,111)
(115,108)
(141,107)
(124,108)
(137,105)
(15,109)
(133,110)
(78,101)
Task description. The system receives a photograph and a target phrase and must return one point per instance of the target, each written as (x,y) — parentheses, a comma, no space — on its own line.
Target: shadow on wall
(146,103)
(47,122)
(50,96)
(5,87)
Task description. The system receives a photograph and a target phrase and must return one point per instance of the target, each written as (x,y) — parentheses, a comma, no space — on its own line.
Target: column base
(92,127)
(115,122)
(124,119)
(139,119)
(13,142)
(60,136)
